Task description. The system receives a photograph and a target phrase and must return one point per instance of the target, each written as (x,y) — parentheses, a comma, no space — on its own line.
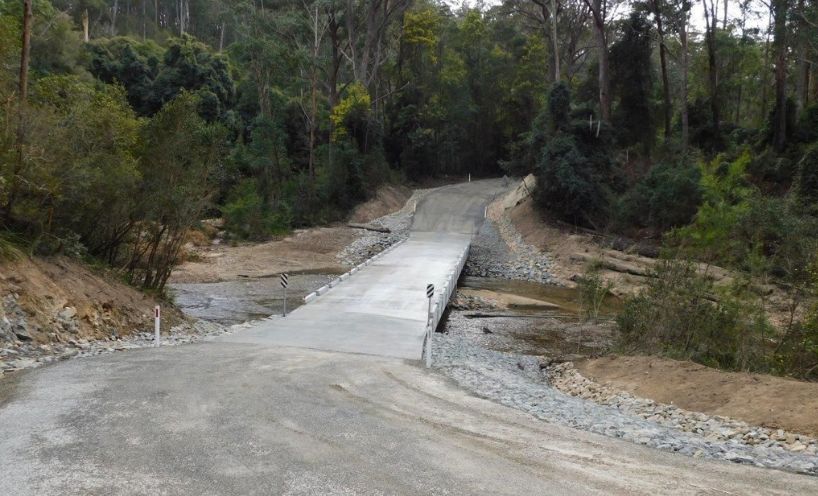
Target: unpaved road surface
(233,419)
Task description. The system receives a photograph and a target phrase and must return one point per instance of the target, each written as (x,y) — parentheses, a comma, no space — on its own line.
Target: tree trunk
(555,40)
(25,54)
(739,97)
(85,29)
(685,64)
(598,10)
(548,11)
(663,62)
(724,20)
(114,10)
(780,42)
(316,47)
(713,78)
(765,79)
(802,79)
(332,77)
(604,78)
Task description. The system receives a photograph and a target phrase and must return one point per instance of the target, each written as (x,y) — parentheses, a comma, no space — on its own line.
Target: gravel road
(230,419)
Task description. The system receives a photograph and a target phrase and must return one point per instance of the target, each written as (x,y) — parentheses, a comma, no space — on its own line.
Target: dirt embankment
(311,250)
(388,199)
(59,299)
(757,399)
(573,250)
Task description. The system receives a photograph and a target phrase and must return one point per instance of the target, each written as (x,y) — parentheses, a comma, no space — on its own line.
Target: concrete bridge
(381,307)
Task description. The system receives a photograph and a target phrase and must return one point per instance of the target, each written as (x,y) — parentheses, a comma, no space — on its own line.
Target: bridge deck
(379,310)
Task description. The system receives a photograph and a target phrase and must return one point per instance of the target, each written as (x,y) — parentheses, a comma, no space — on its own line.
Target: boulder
(67,313)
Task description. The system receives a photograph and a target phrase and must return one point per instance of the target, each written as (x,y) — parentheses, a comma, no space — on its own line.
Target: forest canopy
(124,123)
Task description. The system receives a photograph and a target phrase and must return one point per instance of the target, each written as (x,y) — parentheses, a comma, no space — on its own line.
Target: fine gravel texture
(519,381)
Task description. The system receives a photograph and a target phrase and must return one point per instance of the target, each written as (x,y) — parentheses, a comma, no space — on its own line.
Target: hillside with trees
(694,126)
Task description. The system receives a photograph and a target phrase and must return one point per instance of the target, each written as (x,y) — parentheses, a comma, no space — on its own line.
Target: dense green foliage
(271,116)
(575,174)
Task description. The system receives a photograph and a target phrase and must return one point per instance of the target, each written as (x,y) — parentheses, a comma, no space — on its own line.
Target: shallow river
(234,302)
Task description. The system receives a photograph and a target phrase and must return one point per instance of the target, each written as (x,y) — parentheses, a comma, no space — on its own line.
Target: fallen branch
(614,265)
(370,227)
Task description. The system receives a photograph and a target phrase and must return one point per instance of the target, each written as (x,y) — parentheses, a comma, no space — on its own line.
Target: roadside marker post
(430,292)
(157,317)
(285,281)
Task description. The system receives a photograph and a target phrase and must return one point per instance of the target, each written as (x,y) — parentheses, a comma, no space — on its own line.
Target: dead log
(370,227)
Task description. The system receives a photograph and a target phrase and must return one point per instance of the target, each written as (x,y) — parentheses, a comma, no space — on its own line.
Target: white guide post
(157,317)
(285,281)
(430,292)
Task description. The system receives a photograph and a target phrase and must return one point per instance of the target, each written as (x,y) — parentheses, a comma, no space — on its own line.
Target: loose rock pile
(461,301)
(13,324)
(519,382)
(18,355)
(491,255)
(567,379)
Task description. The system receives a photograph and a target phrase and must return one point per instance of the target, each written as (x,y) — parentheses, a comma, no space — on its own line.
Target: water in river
(234,302)
(552,328)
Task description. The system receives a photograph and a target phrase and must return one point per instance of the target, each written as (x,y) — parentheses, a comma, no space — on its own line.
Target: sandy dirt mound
(573,250)
(308,250)
(57,299)
(388,199)
(758,399)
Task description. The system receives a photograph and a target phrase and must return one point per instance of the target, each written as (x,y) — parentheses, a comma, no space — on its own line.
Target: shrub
(808,124)
(807,179)
(575,175)
(592,291)
(247,217)
(667,197)
(682,315)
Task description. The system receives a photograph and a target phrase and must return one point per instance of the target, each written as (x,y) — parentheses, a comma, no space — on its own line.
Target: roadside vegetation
(722,178)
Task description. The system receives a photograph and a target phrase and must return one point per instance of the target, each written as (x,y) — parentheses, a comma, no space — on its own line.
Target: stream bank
(510,337)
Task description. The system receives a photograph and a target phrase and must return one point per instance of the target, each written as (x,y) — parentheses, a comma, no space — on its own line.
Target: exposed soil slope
(57,299)
(387,199)
(573,250)
(754,398)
